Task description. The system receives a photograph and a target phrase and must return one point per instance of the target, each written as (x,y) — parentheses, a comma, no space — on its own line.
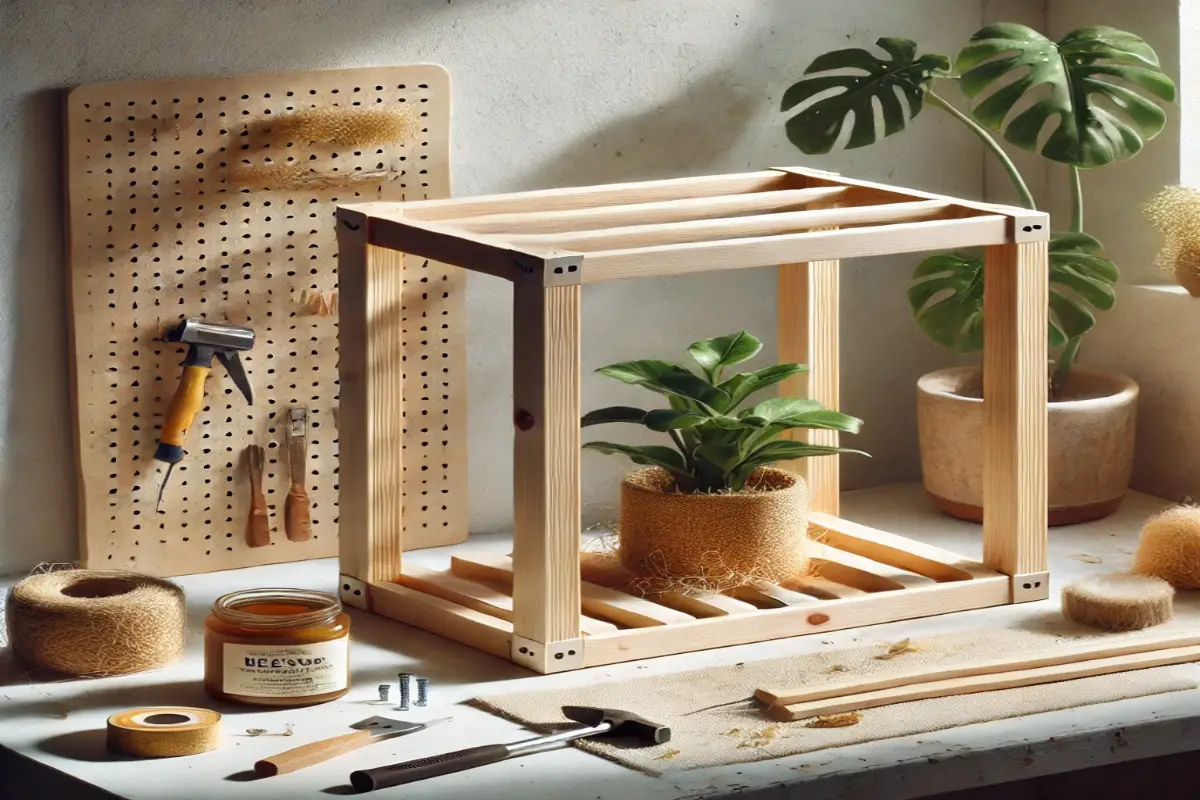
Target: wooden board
(158,231)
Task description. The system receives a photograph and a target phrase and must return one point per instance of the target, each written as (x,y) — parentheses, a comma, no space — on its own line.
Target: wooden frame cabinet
(548,606)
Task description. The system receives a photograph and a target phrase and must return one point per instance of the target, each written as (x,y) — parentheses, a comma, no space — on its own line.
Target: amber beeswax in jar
(277,647)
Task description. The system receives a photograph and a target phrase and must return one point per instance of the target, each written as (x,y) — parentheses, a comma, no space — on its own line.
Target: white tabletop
(60,726)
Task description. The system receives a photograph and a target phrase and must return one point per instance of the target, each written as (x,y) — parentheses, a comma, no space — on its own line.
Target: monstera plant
(1090,99)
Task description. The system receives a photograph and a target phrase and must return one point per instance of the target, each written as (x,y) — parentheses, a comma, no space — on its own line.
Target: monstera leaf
(905,77)
(946,294)
(1063,81)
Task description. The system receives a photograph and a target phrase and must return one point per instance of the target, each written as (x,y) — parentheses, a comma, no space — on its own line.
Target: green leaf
(717,459)
(724,351)
(668,379)
(889,84)
(612,414)
(773,452)
(778,408)
(946,297)
(1008,67)
(638,373)
(646,455)
(668,419)
(744,384)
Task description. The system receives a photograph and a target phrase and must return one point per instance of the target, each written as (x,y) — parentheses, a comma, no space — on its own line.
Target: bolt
(404,691)
(422,692)
(384,690)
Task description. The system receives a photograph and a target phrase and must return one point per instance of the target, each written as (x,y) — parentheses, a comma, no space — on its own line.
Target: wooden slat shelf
(552,608)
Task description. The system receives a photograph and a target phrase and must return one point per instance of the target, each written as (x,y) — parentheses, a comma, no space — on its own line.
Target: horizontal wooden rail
(691,208)
(605,570)
(792,248)
(864,573)
(436,243)
(672,233)
(443,617)
(591,196)
(900,551)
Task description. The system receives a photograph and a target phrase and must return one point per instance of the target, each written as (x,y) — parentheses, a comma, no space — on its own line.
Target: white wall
(547,92)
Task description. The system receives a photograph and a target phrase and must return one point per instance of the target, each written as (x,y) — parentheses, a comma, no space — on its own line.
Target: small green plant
(1088,100)
(717,446)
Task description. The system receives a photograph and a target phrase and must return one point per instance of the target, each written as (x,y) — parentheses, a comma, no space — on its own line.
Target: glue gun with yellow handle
(205,340)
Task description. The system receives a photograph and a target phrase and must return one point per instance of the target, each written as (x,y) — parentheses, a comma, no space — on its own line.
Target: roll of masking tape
(163,732)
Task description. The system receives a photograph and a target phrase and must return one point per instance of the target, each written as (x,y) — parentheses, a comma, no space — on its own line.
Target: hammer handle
(308,754)
(367,780)
(187,402)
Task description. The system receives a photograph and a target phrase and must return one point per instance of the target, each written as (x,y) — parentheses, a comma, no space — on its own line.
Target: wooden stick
(985,683)
(846,689)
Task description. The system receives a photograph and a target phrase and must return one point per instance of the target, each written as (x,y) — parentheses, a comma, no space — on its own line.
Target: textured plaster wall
(547,92)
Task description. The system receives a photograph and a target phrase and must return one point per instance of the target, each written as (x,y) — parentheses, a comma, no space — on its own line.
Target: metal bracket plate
(354,593)
(1030,587)
(547,658)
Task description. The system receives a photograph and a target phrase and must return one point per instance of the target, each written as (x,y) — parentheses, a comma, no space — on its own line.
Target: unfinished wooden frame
(551,607)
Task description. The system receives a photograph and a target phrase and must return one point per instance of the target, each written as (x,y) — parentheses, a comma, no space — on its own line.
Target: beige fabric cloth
(738,732)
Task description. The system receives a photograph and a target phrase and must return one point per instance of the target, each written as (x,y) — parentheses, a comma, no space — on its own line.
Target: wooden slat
(1103,648)
(593,196)
(808,317)
(1014,408)
(546,509)
(985,683)
(768,595)
(371,430)
(821,587)
(829,615)
(673,233)
(908,554)
(432,241)
(442,617)
(596,601)
(863,573)
(586,219)
(478,596)
(605,570)
(905,237)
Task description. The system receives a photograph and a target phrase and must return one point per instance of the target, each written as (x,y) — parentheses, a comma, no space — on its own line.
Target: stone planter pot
(1189,279)
(1090,442)
(714,541)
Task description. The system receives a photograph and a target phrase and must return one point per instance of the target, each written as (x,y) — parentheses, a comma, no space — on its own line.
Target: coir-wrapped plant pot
(714,540)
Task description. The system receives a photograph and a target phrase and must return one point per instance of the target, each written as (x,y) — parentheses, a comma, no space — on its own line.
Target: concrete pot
(1189,279)
(713,541)
(1091,433)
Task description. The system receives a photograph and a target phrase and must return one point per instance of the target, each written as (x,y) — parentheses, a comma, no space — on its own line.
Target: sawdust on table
(1087,558)
(897,649)
(836,668)
(667,756)
(843,720)
(761,738)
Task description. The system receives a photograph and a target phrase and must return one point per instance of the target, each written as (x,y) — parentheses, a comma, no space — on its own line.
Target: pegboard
(162,229)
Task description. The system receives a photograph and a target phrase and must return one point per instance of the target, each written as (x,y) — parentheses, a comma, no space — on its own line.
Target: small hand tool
(204,340)
(372,729)
(258,527)
(605,722)
(296,513)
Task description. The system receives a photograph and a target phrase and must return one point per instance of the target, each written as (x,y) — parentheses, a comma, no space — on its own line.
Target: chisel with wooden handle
(258,526)
(296,512)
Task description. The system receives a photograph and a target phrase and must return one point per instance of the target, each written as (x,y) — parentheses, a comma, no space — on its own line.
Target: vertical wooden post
(546,495)
(371,408)
(1015,385)
(808,297)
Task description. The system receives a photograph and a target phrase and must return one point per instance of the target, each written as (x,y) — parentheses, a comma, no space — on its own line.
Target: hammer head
(221,338)
(624,723)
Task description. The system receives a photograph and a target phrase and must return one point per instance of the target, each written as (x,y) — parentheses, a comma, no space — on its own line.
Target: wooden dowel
(985,683)
(691,208)
(732,228)
(1074,655)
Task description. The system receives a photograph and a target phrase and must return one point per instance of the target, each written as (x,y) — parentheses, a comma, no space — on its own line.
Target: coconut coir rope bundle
(91,623)
(714,541)
(1118,602)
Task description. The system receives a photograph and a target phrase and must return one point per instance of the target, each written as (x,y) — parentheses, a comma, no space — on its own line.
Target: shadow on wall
(37,492)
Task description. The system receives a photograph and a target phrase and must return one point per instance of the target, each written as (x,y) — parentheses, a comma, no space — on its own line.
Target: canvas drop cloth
(738,732)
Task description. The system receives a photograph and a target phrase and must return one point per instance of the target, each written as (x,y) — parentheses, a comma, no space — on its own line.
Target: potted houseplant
(710,511)
(1088,100)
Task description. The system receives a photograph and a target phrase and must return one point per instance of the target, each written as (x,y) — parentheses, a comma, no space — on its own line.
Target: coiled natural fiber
(1118,602)
(1170,547)
(95,622)
(715,541)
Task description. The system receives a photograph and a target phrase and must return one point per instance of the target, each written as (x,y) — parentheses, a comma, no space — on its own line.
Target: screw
(404,691)
(384,690)
(422,692)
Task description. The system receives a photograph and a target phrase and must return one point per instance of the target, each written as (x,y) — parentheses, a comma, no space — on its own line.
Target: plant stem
(1076,200)
(1066,360)
(687,456)
(1009,167)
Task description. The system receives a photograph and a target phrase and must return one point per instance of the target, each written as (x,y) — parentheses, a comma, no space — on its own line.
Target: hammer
(205,340)
(607,722)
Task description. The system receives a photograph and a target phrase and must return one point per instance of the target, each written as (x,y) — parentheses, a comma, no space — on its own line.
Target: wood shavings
(897,649)
(667,756)
(732,732)
(844,720)
(830,670)
(1088,559)
(763,738)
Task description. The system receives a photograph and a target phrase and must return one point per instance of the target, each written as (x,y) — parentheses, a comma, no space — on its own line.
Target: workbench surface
(58,728)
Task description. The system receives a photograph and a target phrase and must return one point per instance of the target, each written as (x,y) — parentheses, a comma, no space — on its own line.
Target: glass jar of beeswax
(277,647)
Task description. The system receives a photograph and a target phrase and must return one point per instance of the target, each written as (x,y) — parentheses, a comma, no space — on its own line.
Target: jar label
(301,670)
